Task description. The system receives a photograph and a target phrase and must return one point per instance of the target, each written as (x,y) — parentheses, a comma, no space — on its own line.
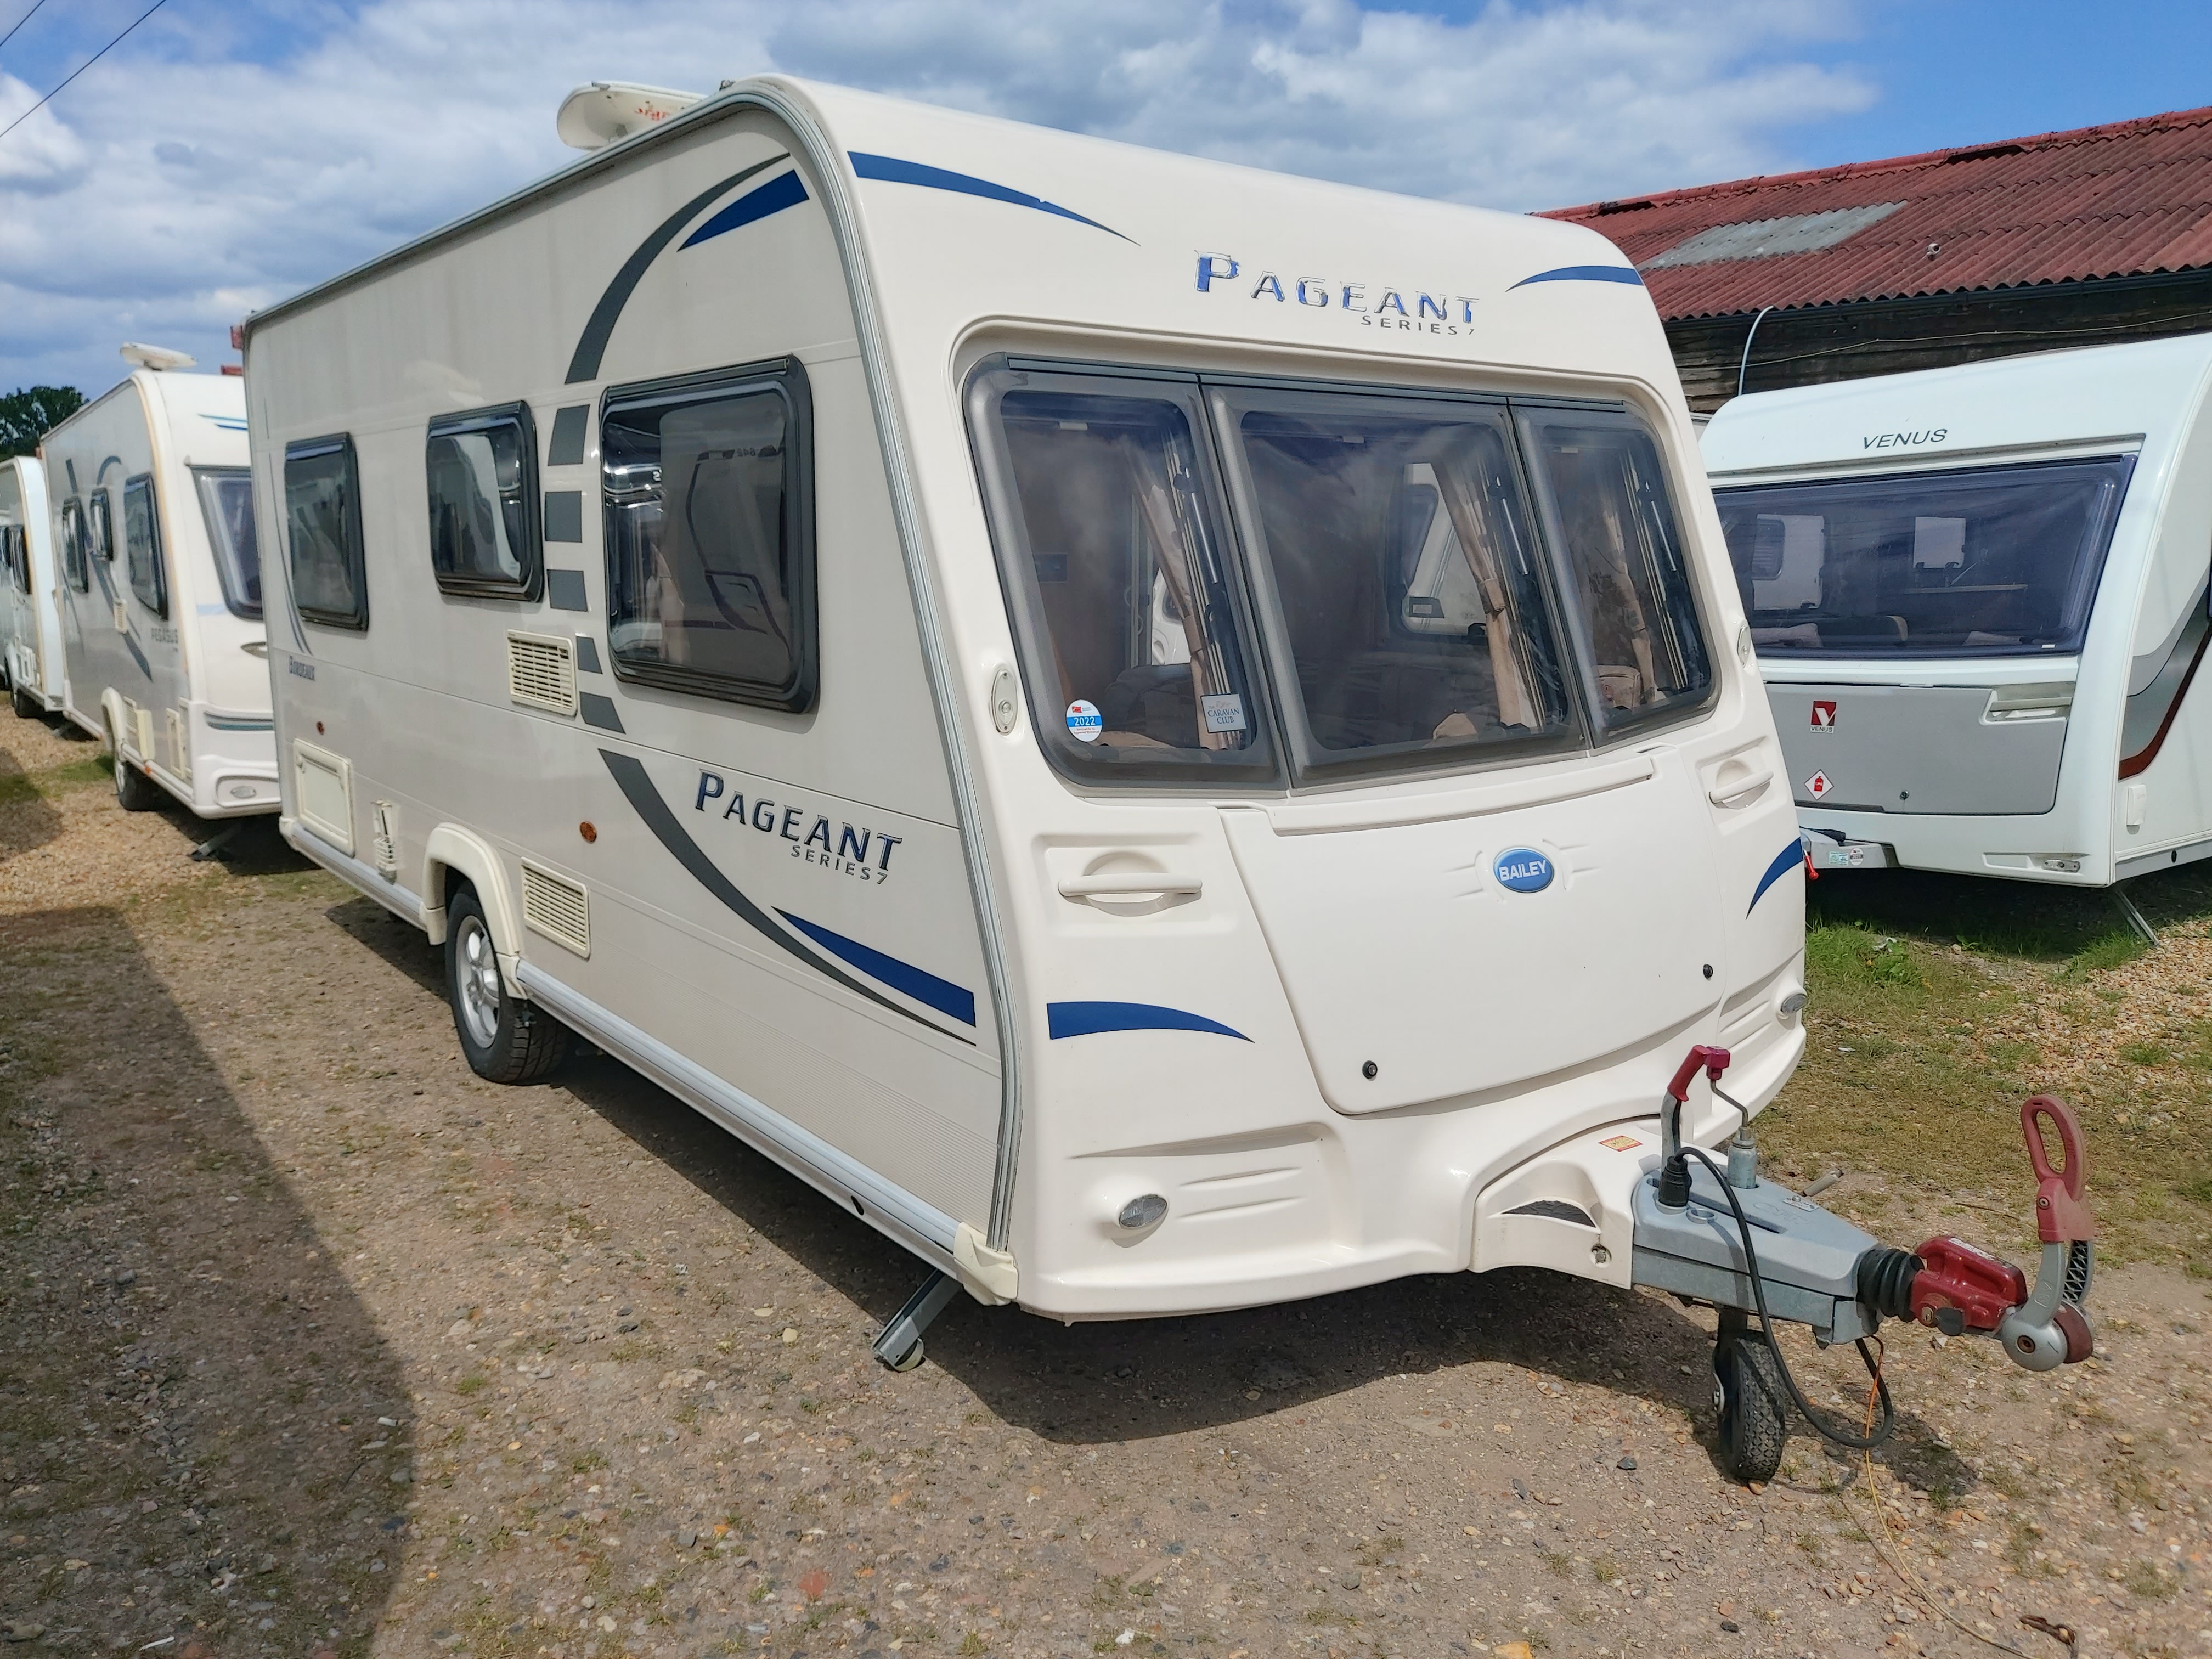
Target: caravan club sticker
(1084,723)
(1522,870)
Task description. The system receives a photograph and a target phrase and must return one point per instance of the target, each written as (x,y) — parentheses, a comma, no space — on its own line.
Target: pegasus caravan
(1161,779)
(161,588)
(30,626)
(1979,599)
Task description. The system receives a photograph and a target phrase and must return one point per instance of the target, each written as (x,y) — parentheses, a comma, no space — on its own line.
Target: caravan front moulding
(30,623)
(1171,738)
(1980,599)
(159,588)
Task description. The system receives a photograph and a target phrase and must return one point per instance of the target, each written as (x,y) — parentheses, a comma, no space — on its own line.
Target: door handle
(1741,792)
(1130,884)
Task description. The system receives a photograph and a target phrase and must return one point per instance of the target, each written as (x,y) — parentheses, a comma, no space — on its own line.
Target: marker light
(1140,1213)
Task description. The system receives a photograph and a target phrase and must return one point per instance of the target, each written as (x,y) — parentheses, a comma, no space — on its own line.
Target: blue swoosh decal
(1585,273)
(773,197)
(894,171)
(919,983)
(1070,1019)
(1791,857)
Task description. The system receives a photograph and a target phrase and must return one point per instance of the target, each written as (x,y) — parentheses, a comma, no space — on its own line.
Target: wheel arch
(453,851)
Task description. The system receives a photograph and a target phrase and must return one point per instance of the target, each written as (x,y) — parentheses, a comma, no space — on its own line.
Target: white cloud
(170,189)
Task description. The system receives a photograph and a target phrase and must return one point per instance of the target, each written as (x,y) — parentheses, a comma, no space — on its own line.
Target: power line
(80,69)
(20,22)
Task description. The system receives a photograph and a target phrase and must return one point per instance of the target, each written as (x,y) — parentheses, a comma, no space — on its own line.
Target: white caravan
(30,625)
(1169,737)
(1979,599)
(159,588)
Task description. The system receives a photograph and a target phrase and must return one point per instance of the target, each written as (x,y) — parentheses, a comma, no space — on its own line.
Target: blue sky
(234,151)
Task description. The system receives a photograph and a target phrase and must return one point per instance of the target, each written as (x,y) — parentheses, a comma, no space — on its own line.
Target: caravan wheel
(134,791)
(26,706)
(503,1040)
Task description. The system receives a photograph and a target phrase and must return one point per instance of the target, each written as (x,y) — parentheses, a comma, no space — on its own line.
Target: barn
(2081,238)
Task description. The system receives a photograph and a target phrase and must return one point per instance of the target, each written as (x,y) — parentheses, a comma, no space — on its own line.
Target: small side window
(322,518)
(484,534)
(709,497)
(19,557)
(102,525)
(73,533)
(141,545)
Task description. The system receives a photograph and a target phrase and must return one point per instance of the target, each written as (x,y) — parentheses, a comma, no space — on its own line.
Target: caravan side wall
(764,908)
(31,627)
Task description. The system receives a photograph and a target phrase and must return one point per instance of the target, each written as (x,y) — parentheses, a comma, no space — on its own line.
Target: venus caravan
(1171,738)
(30,626)
(1978,597)
(159,588)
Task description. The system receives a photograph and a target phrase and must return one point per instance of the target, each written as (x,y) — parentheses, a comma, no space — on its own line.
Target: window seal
(311,449)
(786,377)
(531,587)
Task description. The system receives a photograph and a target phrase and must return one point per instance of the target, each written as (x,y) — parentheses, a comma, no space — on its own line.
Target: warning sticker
(1621,1143)
(1817,785)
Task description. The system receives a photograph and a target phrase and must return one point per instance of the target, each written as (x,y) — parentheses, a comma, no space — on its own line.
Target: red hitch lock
(1960,1288)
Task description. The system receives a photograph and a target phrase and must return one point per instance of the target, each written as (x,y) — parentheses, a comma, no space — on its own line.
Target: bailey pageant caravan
(1979,599)
(30,626)
(1171,738)
(159,589)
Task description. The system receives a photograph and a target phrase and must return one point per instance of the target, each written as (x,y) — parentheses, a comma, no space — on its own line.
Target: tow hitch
(1719,1234)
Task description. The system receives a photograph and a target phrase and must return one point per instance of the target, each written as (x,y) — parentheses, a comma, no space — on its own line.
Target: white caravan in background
(30,625)
(1980,599)
(837,603)
(159,589)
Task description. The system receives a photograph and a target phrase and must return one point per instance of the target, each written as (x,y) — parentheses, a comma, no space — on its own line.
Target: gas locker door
(1431,960)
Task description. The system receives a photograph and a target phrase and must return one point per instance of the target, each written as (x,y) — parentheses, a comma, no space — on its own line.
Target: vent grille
(384,819)
(541,671)
(557,907)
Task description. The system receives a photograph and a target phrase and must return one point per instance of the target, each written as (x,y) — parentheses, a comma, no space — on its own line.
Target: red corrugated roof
(2132,197)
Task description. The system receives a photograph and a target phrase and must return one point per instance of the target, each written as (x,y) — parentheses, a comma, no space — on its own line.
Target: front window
(141,545)
(1630,597)
(1110,549)
(227,504)
(1999,561)
(1394,541)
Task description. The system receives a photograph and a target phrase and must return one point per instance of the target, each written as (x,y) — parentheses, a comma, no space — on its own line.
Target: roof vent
(153,356)
(607,111)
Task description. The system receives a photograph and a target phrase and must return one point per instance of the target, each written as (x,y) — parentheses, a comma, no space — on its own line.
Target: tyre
(134,791)
(1753,1404)
(26,706)
(503,1040)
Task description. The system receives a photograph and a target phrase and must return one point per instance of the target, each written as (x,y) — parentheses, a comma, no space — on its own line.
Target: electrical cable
(1841,1437)
(80,69)
(20,22)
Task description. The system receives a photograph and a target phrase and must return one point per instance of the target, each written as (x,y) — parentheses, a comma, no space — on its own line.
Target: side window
(484,534)
(322,521)
(19,557)
(73,563)
(141,545)
(102,525)
(709,500)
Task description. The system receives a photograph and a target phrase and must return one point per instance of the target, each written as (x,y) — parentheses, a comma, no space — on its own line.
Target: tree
(28,413)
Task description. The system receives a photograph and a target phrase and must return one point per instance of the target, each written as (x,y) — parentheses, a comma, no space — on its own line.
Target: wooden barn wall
(1814,344)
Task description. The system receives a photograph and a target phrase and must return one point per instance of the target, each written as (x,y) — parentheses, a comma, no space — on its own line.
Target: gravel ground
(310,1342)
